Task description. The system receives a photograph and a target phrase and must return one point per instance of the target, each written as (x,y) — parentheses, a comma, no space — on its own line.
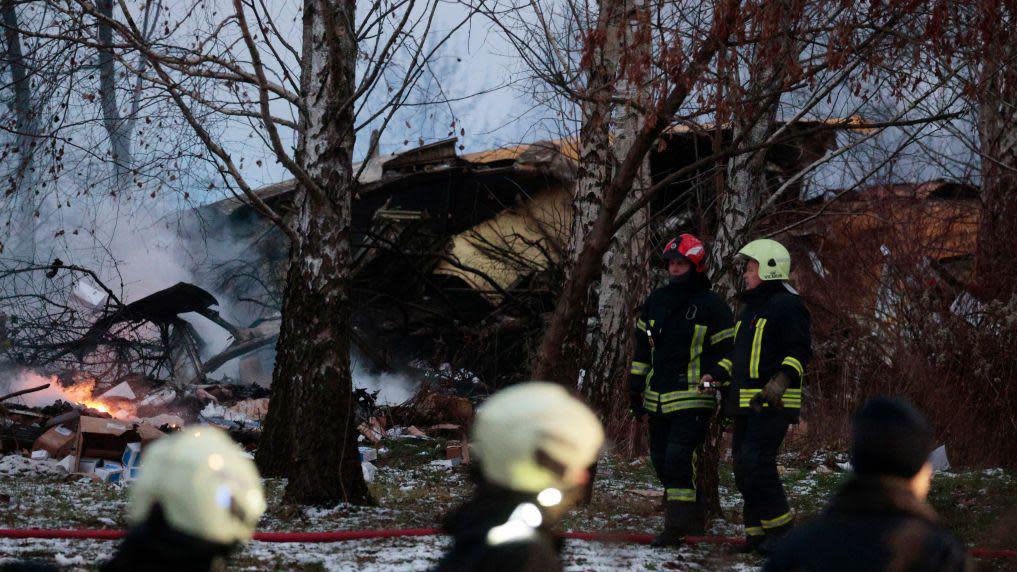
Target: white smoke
(393,388)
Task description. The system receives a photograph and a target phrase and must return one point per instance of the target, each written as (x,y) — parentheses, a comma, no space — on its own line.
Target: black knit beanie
(890,437)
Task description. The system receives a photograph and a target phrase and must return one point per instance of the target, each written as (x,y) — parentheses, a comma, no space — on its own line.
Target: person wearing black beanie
(879,519)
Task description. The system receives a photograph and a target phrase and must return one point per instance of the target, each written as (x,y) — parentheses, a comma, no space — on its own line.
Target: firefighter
(534,444)
(198,498)
(683,330)
(762,380)
(879,519)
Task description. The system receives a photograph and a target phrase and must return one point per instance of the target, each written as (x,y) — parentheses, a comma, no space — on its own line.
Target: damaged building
(879,237)
(457,258)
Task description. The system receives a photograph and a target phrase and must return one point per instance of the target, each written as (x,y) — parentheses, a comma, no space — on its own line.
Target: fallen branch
(23,392)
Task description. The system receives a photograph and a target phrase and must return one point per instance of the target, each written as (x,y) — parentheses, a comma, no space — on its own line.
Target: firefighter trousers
(754,446)
(675,442)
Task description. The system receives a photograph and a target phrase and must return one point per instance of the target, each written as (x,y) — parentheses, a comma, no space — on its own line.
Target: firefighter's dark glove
(771,393)
(636,405)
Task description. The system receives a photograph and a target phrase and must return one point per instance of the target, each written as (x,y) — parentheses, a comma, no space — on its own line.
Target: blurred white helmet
(204,483)
(534,436)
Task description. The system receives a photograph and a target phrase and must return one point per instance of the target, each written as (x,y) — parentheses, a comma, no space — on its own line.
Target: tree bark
(21,181)
(595,167)
(310,434)
(565,329)
(625,275)
(116,126)
(997,131)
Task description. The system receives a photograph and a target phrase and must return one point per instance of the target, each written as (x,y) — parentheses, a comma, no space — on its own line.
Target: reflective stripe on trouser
(754,446)
(675,441)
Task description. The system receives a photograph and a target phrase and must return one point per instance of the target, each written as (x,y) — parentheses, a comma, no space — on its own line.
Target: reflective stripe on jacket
(682,331)
(772,334)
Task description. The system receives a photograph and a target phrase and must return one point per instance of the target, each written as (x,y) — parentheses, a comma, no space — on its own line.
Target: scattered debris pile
(73,439)
(430,414)
(100,428)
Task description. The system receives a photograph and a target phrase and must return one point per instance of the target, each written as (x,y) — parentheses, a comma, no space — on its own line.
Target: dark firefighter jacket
(873,524)
(157,546)
(683,330)
(474,548)
(772,334)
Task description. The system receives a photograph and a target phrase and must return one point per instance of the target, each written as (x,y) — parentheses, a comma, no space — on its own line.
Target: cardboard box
(131,473)
(368,453)
(40,455)
(165,419)
(148,433)
(57,441)
(87,465)
(454,450)
(67,463)
(107,438)
(132,454)
(111,474)
(102,438)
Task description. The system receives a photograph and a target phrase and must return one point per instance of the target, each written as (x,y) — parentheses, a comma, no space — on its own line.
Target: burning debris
(74,422)
(77,424)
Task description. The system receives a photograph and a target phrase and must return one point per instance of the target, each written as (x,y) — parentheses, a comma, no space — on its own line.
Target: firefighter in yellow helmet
(534,443)
(197,499)
(762,381)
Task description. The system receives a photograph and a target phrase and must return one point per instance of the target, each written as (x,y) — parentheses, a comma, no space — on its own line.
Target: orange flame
(81,393)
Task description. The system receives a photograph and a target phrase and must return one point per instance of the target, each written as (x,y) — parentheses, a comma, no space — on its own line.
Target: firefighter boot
(680,520)
(773,539)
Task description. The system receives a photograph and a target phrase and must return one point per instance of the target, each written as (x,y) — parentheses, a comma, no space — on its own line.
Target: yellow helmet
(204,483)
(534,436)
(774,260)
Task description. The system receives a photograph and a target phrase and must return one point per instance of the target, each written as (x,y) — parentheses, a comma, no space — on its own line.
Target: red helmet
(687,247)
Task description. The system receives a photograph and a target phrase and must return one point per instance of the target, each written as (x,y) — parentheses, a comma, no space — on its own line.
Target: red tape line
(341,535)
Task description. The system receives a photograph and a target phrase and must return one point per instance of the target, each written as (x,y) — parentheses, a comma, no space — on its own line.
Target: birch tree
(258,75)
(625,276)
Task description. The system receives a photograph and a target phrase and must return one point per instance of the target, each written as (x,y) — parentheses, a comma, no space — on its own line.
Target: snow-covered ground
(414,492)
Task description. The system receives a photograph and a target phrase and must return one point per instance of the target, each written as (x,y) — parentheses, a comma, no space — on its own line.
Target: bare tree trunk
(997,130)
(625,276)
(310,434)
(595,165)
(116,126)
(21,179)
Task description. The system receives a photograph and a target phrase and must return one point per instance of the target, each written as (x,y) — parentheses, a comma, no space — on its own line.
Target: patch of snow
(16,465)
(62,560)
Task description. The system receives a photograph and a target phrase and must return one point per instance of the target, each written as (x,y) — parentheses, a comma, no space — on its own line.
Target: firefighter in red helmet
(684,329)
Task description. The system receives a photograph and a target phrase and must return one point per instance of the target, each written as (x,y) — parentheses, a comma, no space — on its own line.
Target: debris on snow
(939,460)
